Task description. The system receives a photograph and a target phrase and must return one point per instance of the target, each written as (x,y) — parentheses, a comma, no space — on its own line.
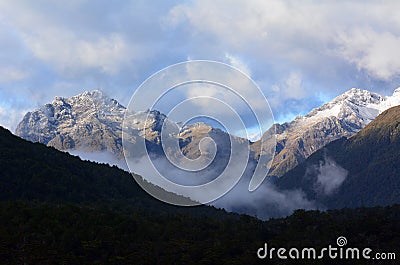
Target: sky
(300,53)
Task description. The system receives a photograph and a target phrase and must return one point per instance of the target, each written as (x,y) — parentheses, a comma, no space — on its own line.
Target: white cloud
(68,52)
(265,202)
(290,88)
(311,47)
(11,74)
(238,63)
(294,85)
(104,157)
(302,35)
(9,117)
(80,39)
(376,52)
(330,176)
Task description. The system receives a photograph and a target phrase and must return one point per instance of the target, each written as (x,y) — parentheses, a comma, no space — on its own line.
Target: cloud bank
(265,202)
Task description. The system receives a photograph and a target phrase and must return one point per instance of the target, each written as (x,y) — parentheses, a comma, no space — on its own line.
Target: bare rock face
(89,121)
(92,122)
(365,168)
(342,117)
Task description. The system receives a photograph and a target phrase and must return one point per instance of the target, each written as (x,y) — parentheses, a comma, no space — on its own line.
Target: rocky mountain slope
(360,171)
(92,122)
(342,117)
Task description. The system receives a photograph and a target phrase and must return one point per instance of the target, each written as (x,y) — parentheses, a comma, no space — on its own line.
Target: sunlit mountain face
(90,125)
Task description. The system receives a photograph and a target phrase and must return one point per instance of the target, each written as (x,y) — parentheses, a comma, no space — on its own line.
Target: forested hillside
(57,209)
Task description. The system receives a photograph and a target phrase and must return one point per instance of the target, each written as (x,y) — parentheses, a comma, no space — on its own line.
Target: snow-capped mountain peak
(388,102)
(356,107)
(93,121)
(67,123)
(342,117)
(396,91)
(349,102)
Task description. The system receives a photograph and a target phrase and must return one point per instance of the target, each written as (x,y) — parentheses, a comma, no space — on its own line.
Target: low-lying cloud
(265,202)
(103,157)
(329,176)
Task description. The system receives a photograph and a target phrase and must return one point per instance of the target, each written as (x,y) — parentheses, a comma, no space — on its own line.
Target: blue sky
(301,54)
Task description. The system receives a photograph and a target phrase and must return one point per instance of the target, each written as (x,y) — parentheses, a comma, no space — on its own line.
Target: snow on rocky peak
(93,121)
(342,117)
(90,119)
(355,107)
(388,102)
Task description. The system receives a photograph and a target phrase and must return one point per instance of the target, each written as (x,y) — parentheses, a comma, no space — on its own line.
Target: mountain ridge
(345,115)
(366,164)
(92,122)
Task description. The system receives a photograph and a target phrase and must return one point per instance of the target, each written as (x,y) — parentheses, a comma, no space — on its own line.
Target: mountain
(34,172)
(57,209)
(360,171)
(342,117)
(92,122)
